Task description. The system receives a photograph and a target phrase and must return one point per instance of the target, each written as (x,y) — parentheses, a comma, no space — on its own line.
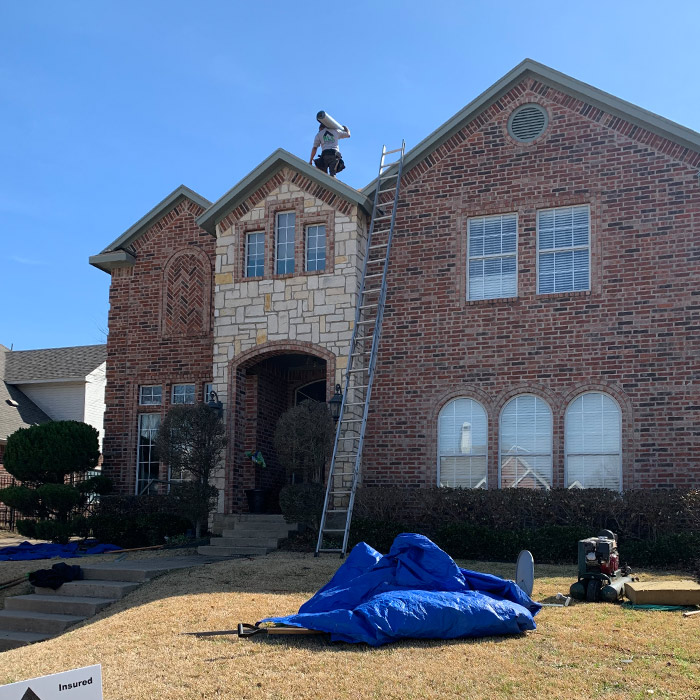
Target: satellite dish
(525,571)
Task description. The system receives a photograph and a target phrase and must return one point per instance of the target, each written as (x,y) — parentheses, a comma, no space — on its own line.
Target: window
(183,393)
(315,248)
(563,260)
(462,431)
(285,243)
(526,443)
(593,443)
(255,254)
(207,392)
(147,461)
(492,258)
(150,395)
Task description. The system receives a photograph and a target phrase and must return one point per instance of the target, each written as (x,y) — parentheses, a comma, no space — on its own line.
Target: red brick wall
(634,335)
(159,329)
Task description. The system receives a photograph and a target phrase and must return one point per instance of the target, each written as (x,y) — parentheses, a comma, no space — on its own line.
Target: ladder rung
(388,165)
(352,420)
(350,371)
(374,274)
(366,323)
(335,529)
(388,189)
(337,511)
(381,218)
(379,245)
(396,150)
(369,306)
(355,403)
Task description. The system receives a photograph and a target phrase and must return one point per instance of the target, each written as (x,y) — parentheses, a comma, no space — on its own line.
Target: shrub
(304,440)
(137,521)
(303,503)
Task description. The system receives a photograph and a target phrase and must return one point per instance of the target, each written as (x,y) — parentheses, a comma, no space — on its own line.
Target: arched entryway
(264,383)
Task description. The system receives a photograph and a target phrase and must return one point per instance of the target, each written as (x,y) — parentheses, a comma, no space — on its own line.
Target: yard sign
(78,684)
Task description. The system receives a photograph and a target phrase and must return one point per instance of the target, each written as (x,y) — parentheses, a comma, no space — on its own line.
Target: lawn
(584,651)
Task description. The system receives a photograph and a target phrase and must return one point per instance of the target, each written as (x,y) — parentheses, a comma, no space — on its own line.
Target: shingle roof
(24,366)
(16,410)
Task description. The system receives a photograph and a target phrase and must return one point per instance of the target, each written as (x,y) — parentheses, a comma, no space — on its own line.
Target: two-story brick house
(542,316)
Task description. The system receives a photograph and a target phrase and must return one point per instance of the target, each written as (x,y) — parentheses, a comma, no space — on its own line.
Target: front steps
(47,613)
(247,535)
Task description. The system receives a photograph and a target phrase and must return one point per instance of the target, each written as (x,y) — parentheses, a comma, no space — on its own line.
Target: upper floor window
(284,249)
(492,257)
(462,433)
(315,248)
(593,442)
(150,395)
(563,250)
(526,443)
(183,393)
(255,254)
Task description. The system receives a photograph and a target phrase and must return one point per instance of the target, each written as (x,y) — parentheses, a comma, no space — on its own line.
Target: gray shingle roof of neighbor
(52,364)
(117,254)
(257,177)
(587,93)
(16,409)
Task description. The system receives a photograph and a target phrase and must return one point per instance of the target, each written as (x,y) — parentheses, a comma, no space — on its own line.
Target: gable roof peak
(275,162)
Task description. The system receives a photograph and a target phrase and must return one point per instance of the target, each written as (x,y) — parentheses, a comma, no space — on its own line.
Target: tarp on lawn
(415,591)
(26,551)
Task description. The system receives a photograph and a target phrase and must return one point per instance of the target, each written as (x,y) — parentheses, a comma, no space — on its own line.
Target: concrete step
(214,551)
(63,605)
(12,640)
(92,589)
(252,541)
(97,573)
(36,622)
(272,530)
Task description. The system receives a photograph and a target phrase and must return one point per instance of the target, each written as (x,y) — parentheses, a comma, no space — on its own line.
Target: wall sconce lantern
(214,404)
(335,403)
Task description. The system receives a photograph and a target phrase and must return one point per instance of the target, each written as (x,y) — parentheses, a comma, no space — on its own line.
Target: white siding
(95,399)
(59,400)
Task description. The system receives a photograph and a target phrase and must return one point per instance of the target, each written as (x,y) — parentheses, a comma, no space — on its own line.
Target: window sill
(491,302)
(563,295)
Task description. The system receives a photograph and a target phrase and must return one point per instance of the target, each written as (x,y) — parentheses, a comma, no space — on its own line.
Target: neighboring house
(542,316)
(38,386)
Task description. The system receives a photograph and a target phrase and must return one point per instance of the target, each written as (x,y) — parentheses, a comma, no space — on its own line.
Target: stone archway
(263,383)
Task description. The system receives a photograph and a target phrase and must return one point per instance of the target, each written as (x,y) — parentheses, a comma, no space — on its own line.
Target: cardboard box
(663,592)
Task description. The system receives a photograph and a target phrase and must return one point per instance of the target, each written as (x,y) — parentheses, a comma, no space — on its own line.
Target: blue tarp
(415,591)
(27,551)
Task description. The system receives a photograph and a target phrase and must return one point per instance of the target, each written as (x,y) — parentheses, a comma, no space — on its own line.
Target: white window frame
(316,248)
(174,393)
(563,250)
(287,228)
(484,482)
(141,482)
(550,454)
(142,398)
(513,255)
(248,253)
(566,448)
(208,388)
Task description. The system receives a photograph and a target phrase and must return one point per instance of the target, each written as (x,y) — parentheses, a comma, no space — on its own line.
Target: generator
(600,577)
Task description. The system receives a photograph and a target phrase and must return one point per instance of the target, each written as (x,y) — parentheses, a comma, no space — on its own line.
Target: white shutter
(525,443)
(462,438)
(593,442)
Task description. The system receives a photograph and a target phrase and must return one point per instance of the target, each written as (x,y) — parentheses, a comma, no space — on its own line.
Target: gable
(627,119)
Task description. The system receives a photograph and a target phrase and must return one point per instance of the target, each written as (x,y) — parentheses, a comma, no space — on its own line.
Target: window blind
(491,267)
(462,439)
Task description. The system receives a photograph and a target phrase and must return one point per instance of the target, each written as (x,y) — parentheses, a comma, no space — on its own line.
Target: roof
(52,364)
(269,167)
(116,254)
(587,93)
(16,409)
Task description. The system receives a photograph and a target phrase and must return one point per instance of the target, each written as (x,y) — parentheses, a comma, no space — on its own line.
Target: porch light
(214,404)
(335,403)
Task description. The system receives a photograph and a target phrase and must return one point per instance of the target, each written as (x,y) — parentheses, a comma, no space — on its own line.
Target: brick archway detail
(236,478)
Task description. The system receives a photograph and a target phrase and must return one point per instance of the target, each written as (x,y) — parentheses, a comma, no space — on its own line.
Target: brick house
(542,316)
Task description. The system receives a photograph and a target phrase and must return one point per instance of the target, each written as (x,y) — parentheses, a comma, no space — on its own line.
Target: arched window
(462,433)
(593,442)
(526,443)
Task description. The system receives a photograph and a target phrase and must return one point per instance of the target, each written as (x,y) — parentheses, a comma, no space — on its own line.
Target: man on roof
(330,160)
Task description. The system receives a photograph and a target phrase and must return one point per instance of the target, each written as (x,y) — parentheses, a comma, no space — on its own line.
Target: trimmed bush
(303,504)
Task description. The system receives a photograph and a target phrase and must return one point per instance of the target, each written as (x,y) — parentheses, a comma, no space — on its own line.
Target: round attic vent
(527,122)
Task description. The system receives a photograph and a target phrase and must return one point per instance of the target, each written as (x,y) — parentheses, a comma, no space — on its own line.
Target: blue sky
(106,107)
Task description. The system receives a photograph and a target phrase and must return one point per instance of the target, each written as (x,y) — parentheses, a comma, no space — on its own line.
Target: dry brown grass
(584,651)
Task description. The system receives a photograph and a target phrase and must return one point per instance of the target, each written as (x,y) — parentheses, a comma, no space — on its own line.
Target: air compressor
(600,577)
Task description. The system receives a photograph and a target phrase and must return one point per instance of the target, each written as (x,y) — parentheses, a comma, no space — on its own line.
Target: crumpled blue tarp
(27,551)
(415,591)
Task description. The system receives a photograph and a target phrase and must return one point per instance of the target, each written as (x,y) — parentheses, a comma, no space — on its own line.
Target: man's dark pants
(328,161)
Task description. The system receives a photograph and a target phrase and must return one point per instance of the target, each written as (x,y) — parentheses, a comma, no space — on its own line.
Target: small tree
(41,457)
(190,441)
(304,440)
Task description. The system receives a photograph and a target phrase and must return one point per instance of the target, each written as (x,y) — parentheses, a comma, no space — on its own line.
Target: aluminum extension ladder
(344,471)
